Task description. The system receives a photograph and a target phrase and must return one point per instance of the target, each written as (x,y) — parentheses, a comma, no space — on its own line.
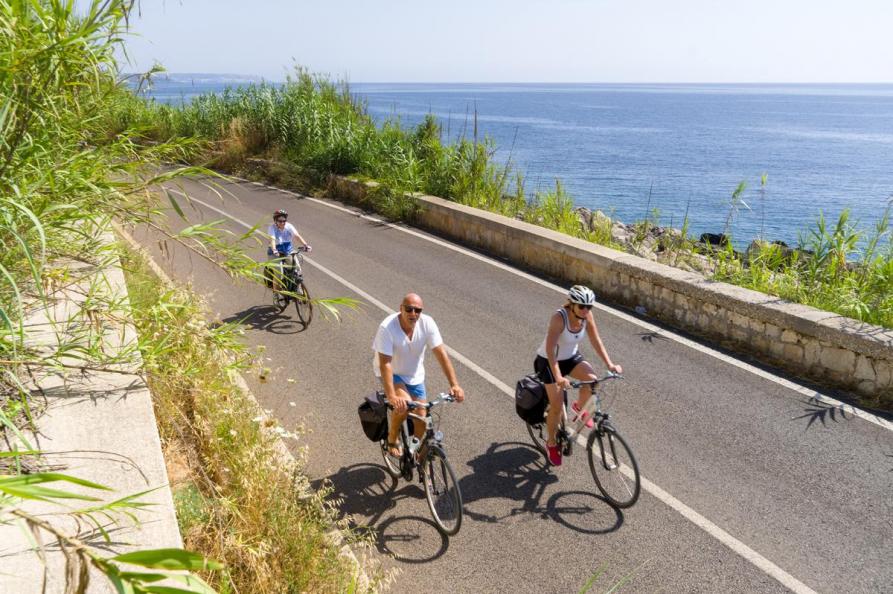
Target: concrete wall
(811,343)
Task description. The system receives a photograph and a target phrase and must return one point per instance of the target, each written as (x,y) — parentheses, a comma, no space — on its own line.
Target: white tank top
(568,342)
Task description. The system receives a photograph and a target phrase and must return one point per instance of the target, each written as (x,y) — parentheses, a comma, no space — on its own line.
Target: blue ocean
(667,151)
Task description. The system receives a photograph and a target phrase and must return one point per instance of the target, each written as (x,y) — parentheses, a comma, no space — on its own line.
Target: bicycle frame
(592,409)
(430,434)
(292,267)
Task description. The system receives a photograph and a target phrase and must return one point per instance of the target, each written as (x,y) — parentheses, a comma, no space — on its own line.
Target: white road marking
(712,529)
(813,395)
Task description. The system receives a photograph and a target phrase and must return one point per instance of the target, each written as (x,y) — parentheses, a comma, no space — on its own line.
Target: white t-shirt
(407,356)
(284,235)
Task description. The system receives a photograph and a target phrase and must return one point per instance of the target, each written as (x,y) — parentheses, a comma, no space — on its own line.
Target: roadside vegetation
(68,168)
(298,133)
(238,499)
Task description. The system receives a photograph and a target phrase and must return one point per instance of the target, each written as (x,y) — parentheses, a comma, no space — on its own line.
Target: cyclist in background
(281,234)
(559,356)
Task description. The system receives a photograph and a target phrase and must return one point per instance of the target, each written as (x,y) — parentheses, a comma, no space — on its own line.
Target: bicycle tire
(392,465)
(442,491)
(303,304)
(614,467)
(538,435)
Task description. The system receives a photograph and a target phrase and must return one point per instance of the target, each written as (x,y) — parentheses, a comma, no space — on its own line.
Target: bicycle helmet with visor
(582,295)
(280,213)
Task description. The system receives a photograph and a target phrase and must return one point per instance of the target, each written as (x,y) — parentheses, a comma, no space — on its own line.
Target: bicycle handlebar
(440,399)
(296,251)
(608,376)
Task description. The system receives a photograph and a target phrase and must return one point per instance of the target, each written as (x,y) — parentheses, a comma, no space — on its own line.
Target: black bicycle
(428,456)
(611,460)
(294,289)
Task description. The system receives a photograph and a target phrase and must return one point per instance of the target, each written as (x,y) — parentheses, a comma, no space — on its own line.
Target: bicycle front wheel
(303,304)
(613,467)
(442,491)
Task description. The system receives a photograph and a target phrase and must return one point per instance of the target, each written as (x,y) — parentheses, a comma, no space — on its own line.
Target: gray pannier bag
(374,416)
(530,399)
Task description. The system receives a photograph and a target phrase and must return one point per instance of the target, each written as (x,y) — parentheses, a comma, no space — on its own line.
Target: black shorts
(544,371)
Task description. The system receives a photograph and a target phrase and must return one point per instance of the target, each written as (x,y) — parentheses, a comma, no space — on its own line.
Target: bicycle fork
(601,434)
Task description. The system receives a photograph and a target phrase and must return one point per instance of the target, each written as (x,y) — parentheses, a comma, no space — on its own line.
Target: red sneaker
(589,423)
(554,454)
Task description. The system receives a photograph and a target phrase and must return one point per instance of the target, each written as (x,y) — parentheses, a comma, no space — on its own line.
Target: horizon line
(540,82)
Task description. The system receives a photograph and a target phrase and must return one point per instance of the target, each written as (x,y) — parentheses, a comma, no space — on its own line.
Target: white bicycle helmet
(582,295)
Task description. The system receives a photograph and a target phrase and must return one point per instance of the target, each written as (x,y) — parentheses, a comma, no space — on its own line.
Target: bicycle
(612,463)
(293,286)
(429,457)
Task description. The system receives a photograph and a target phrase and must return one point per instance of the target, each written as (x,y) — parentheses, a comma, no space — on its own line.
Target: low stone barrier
(813,344)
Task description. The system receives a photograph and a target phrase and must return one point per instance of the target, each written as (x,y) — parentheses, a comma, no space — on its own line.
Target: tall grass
(835,268)
(320,127)
(74,154)
(63,175)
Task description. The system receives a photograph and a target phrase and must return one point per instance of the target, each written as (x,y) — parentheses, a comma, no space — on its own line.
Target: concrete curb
(99,426)
(285,456)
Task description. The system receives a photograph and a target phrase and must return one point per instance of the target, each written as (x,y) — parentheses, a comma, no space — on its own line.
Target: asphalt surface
(796,486)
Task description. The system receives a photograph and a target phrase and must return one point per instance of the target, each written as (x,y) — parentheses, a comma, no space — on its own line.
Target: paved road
(750,485)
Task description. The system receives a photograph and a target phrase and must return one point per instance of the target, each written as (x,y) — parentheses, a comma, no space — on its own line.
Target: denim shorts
(282,248)
(417,391)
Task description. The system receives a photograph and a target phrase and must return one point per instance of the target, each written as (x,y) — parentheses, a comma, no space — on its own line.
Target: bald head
(412,299)
(410,310)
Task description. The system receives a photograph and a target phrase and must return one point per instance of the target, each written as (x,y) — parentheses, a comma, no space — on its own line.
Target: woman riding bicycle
(559,356)
(281,234)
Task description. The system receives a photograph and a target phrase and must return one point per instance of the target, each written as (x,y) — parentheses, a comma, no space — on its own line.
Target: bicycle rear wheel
(538,435)
(442,491)
(391,464)
(613,467)
(303,304)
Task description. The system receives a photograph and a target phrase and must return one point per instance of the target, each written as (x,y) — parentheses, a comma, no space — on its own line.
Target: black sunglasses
(280,220)
(411,309)
(583,306)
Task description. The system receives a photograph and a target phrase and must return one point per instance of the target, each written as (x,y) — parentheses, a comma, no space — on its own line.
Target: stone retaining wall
(813,344)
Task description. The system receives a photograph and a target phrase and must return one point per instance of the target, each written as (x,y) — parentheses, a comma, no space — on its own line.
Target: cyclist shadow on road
(517,472)
(268,318)
(368,496)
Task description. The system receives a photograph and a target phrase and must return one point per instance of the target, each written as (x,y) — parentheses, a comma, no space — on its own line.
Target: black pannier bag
(374,416)
(530,399)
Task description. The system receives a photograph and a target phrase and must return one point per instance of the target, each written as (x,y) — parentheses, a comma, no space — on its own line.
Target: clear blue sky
(523,40)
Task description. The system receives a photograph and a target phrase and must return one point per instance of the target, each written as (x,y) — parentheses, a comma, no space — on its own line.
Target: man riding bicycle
(281,234)
(399,347)
(559,356)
